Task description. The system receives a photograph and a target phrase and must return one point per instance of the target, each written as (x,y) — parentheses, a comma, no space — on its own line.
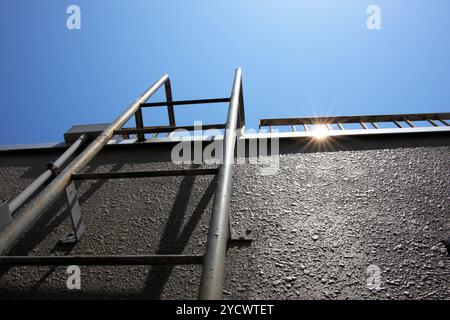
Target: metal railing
(219,231)
(7,209)
(364,122)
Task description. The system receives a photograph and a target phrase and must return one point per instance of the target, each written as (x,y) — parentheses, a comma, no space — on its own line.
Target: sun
(320,132)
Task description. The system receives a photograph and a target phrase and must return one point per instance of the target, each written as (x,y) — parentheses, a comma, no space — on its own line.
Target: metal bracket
(246,236)
(5,215)
(53,168)
(75,215)
(241,238)
(235,238)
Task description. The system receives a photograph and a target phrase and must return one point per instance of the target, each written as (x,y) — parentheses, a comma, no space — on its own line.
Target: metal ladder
(219,233)
(434,121)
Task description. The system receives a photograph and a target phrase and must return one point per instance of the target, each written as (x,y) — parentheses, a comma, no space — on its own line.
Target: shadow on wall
(174,239)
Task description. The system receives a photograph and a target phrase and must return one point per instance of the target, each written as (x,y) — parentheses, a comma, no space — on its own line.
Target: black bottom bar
(100,260)
(143,174)
(184,102)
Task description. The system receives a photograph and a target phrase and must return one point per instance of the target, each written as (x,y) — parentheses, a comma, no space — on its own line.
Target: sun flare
(320,132)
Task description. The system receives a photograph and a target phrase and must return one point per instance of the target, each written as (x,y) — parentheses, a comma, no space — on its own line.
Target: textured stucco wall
(319,223)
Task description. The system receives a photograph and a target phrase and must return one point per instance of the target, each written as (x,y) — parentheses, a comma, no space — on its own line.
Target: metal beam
(434,124)
(170,112)
(139,124)
(350,132)
(100,260)
(409,123)
(241,114)
(398,124)
(51,193)
(211,286)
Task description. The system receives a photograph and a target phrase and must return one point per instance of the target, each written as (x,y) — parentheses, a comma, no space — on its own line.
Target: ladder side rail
(27,217)
(169,99)
(211,285)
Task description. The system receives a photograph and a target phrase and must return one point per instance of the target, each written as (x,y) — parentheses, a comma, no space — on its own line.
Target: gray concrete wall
(328,214)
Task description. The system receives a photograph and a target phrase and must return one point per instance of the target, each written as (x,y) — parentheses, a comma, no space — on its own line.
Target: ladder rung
(100,260)
(143,174)
(161,129)
(184,102)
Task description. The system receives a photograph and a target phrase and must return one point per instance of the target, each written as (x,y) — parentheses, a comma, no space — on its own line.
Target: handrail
(26,218)
(211,285)
(17,202)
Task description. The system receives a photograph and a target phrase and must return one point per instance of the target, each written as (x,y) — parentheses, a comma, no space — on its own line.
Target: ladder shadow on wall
(175,239)
(46,225)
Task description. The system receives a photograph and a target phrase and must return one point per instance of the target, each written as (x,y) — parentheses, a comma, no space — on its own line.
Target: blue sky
(299,58)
